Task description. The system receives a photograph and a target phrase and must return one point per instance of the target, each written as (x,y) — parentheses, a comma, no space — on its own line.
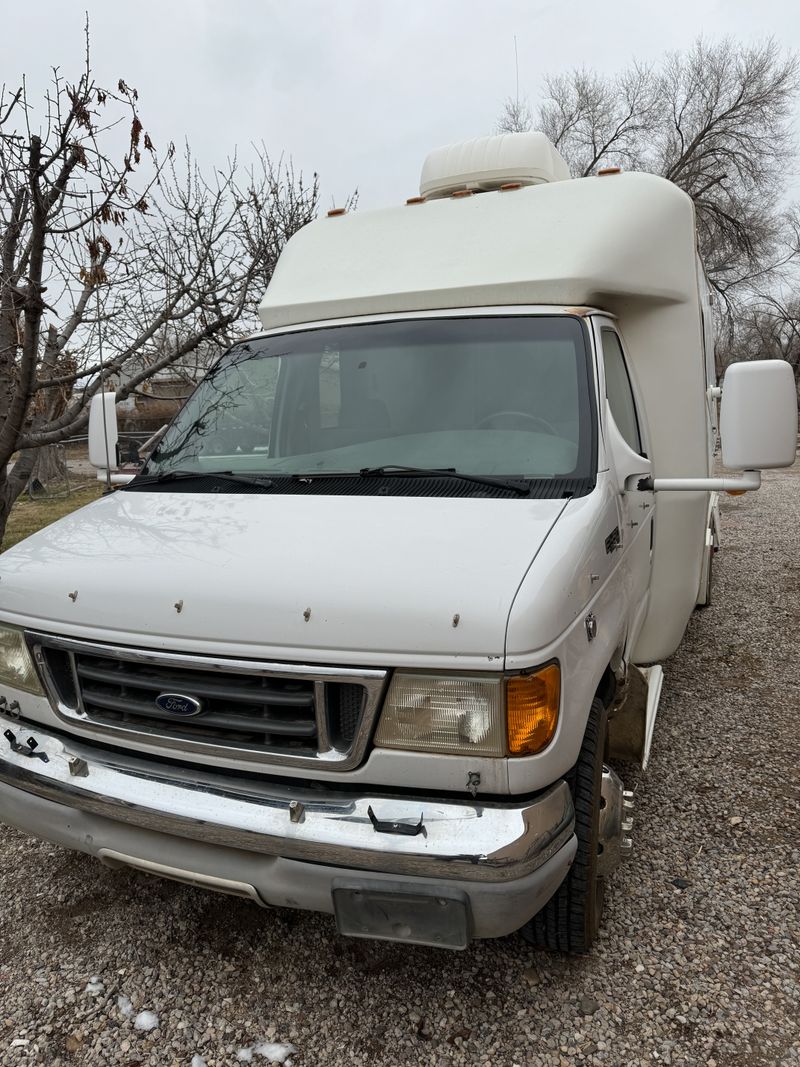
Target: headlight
(16,666)
(429,713)
(470,714)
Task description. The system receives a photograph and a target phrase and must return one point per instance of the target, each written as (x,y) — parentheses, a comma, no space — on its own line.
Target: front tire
(571,918)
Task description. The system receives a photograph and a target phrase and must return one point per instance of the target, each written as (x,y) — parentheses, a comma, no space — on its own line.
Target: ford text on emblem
(178,704)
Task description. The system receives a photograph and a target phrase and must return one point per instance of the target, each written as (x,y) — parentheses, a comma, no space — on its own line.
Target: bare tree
(516,116)
(590,117)
(717,121)
(767,328)
(726,139)
(114,262)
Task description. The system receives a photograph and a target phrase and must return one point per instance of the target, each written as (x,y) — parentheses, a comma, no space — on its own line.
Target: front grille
(270,710)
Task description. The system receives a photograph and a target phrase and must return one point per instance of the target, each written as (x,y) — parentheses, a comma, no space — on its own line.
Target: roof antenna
(516,70)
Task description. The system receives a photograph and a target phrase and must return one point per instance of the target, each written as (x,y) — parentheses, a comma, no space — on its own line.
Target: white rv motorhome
(381,618)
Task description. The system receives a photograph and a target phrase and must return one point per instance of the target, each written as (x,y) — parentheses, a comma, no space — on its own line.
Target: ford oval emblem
(178,704)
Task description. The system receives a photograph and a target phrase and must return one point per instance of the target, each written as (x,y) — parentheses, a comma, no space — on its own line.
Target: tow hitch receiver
(388,912)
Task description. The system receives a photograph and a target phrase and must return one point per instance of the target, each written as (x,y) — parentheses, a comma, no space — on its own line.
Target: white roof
(581,241)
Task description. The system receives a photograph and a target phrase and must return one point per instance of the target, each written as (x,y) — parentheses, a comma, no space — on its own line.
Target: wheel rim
(614,823)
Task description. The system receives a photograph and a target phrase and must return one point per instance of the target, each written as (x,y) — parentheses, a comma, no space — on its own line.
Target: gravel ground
(697,962)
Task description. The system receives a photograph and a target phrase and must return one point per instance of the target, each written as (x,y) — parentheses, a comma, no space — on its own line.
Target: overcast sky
(358,90)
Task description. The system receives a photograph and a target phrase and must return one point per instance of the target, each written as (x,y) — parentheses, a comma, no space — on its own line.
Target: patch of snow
(198,1061)
(95,986)
(145,1020)
(274,1051)
(124,1004)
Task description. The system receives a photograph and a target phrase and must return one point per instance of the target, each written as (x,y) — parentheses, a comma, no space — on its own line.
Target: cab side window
(619,391)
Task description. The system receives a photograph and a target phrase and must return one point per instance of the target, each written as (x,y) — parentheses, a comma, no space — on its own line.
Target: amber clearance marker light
(532,710)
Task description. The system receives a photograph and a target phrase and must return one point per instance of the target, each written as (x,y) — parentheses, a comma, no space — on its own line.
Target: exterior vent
(489,162)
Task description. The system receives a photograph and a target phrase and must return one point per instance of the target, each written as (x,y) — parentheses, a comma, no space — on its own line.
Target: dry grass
(28,516)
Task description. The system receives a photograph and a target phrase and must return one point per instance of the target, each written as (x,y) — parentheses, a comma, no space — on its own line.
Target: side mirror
(103,434)
(758,420)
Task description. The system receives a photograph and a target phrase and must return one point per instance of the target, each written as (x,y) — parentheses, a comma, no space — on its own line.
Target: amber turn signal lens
(532,710)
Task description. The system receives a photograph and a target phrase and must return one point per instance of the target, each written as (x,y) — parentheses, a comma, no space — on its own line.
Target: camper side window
(619,391)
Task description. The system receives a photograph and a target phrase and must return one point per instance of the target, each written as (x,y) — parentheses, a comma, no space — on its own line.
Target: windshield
(493,396)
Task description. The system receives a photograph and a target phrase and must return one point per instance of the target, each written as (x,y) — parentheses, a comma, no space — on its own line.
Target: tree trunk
(5,504)
(12,484)
(50,468)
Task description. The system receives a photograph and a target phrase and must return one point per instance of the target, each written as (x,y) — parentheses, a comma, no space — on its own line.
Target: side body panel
(574,580)
(674,393)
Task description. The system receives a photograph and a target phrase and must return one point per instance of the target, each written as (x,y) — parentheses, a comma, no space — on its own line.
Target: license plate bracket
(390,911)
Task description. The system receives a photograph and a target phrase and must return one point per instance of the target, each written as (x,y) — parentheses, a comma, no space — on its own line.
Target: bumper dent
(475,842)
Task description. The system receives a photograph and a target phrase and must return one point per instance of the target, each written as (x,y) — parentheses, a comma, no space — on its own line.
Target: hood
(336,579)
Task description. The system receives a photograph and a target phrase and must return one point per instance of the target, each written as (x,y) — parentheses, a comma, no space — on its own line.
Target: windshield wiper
(519,486)
(142,480)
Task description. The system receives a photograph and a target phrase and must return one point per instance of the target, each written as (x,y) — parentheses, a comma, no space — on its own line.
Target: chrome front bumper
(466,840)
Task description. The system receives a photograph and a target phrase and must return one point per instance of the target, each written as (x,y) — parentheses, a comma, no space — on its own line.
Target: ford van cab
(379,624)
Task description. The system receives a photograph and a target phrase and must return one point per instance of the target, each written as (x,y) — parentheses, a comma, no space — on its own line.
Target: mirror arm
(114,479)
(748,480)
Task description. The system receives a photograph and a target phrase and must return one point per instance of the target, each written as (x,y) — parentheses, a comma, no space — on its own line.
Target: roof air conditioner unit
(489,162)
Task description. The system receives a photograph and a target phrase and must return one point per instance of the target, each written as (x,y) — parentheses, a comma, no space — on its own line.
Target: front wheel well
(606,687)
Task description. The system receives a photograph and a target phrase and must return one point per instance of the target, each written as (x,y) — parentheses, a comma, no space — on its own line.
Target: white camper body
(623,243)
(371,629)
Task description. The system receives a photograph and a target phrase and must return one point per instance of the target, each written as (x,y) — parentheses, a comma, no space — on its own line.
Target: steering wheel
(486,422)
